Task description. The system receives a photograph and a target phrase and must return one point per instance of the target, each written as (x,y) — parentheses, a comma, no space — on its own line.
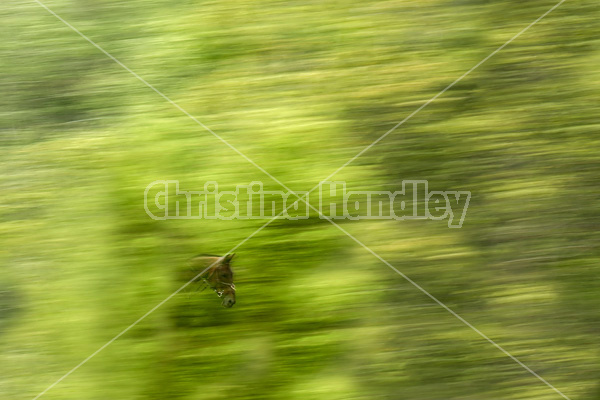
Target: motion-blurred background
(300,87)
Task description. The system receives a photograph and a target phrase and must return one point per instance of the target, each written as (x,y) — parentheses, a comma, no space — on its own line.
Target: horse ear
(228,258)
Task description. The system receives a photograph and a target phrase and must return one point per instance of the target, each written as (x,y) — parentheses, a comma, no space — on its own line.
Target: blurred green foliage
(300,87)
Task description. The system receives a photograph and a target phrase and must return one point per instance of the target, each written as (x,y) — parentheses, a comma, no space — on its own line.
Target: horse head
(218,275)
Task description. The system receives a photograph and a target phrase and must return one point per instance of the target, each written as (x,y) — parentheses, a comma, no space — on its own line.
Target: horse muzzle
(228,301)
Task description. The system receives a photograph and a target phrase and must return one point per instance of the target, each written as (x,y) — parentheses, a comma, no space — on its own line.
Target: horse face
(228,298)
(218,276)
(224,284)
